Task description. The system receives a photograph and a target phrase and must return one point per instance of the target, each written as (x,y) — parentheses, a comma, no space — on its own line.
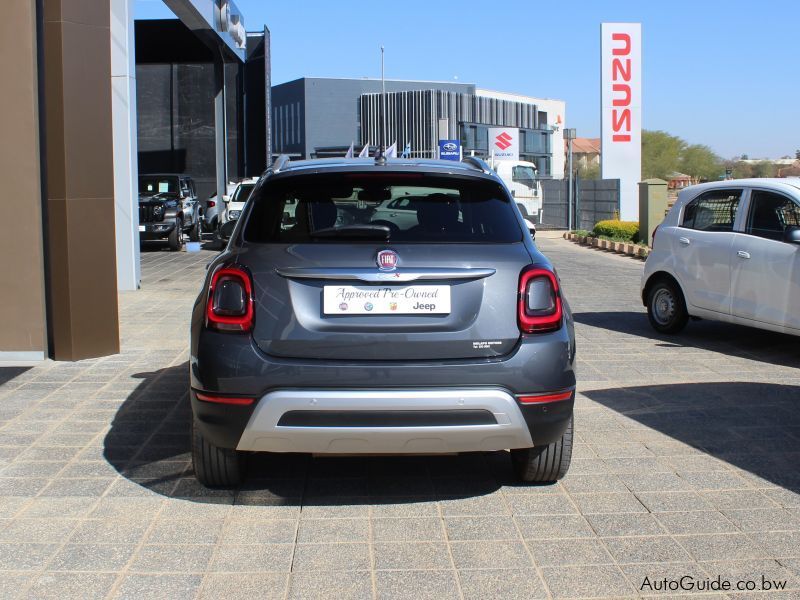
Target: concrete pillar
(23,325)
(220,127)
(80,234)
(123,109)
(652,207)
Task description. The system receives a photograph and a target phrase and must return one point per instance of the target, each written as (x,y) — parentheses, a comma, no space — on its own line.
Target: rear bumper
(265,431)
(408,421)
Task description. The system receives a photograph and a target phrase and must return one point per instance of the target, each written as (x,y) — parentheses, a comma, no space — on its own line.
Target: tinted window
(414,208)
(771,214)
(712,211)
(243,192)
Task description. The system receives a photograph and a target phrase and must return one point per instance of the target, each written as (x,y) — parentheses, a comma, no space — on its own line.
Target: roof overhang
(219,23)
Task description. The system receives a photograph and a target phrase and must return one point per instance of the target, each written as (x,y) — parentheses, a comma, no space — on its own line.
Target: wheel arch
(662,276)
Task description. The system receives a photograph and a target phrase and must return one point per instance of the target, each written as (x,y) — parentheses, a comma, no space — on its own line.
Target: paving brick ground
(686,464)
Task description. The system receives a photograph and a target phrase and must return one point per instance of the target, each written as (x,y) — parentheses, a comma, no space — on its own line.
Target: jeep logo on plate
(387,260)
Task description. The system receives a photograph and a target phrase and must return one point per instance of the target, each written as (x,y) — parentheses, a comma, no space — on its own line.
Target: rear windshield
(243,192)
(409,207)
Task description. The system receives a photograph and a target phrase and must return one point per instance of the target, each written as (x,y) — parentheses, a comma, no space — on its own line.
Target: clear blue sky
(721,73)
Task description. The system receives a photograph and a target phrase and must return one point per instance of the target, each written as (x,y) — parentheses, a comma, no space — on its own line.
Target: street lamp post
(569,134)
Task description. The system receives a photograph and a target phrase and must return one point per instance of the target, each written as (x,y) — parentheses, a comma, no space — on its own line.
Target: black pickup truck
(168,209)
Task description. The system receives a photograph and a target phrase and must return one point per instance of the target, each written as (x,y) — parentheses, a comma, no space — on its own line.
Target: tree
(700,161)
(590,171)
(661,154)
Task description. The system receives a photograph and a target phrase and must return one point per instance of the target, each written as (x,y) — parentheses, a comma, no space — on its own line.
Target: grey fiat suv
(336,328)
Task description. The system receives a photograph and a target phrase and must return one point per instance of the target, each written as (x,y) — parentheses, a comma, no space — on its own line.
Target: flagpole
(383,104)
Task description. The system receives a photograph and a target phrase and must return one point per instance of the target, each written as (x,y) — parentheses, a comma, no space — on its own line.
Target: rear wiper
(375,232)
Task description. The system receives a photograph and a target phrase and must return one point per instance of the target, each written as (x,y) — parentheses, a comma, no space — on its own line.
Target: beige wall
(23,331)
(80,178)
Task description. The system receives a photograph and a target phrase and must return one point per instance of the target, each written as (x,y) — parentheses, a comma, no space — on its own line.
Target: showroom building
(317,117)
(70,159)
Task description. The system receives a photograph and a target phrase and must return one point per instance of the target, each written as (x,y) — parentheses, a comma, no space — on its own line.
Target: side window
(712,211)
(771,214)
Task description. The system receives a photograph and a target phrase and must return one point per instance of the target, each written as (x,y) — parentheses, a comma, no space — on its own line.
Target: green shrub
(581,232)
(619,231)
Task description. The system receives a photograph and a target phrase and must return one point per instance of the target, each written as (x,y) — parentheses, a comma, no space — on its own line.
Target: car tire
(175,238)
(194,232)
(544,464)
(666,307)
(213,466)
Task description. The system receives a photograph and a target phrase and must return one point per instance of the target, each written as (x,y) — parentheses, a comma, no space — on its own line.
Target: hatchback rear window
(398,207)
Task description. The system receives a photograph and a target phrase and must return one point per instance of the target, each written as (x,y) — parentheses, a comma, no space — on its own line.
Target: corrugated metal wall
(413,117)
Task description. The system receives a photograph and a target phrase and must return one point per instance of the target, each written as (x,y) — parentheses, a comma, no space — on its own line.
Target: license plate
(141,228)
(389,300)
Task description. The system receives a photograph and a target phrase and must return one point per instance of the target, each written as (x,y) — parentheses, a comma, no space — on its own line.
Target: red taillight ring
(239,323)
(538,323)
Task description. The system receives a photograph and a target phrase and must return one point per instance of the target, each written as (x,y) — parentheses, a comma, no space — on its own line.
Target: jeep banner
(504,143)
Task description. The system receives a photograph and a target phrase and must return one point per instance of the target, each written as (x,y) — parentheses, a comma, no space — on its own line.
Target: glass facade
(535,145)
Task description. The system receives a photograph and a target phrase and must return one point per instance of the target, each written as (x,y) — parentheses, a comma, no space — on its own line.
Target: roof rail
(279,163)
(477,163)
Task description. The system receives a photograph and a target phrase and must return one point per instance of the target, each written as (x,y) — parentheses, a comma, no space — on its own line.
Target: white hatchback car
(728,251)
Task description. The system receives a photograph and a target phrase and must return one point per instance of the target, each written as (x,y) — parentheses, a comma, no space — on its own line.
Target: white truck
(522,180)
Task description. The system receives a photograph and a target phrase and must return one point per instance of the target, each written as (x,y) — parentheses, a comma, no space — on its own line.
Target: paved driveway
(686,464)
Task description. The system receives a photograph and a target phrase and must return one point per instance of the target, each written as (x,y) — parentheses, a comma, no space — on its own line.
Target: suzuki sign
(621,106)
(504,143)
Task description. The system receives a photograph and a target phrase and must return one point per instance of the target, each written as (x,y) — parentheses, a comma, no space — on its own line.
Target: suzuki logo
(503,141)
(387,260)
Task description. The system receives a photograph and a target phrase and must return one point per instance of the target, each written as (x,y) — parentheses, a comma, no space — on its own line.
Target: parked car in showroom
(213,208)
(728,251)
(451,335)
(168,209)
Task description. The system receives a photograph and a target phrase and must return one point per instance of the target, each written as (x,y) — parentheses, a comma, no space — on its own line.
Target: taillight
(230,300)
(653,243)
(539,302)
(211,204)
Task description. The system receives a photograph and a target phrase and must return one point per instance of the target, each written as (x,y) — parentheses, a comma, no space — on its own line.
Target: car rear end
(329,330)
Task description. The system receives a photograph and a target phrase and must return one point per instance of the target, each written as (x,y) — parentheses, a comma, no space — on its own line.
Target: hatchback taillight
(539,303)
(653,243)
(211,204)
(230,300)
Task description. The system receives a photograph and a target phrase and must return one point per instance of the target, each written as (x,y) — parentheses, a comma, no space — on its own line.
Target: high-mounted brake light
(539,301)
(230,300)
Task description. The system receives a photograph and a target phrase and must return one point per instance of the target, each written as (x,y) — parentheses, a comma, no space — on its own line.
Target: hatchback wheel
(213,466)
(544,464)
(666,308)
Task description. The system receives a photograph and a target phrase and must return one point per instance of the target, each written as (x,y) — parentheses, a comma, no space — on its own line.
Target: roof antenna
(380,156)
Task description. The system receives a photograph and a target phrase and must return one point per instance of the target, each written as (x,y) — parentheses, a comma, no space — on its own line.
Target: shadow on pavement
(752,426)
(9,373)
(149,442)
(731,340)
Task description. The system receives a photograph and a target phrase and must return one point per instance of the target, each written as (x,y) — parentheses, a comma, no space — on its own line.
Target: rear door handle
(684,241)
(743,254)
